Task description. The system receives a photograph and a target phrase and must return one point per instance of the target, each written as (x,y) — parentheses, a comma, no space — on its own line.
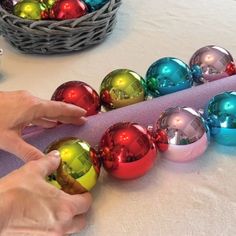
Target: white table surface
(198,198)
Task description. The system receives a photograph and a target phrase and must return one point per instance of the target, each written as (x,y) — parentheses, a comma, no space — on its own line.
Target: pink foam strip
(144,113)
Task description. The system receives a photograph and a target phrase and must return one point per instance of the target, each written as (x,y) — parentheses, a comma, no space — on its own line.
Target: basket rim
(84,18)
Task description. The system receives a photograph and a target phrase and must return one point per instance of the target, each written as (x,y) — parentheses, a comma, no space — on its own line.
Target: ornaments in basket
(31,9)
(68,9)
(94,5)
(52,9)
(9,4)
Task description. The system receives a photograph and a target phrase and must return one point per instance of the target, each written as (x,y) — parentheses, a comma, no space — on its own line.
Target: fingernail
(84,119)
(55,153)
(83,111)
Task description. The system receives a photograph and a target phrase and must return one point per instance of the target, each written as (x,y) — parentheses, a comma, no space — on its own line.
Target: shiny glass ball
(127,151)
(121,88)
(185,134)
(79,168)
(94,5)
(31,10)
(68,9)
(221,117)
(215,63)
(49,3)
(79,94)
(8,5)
(168,75)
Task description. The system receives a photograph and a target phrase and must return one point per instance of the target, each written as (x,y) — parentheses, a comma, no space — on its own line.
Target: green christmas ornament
(31,10)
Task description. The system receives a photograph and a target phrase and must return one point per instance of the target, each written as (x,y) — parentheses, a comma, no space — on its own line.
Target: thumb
(14,144)
(48,164)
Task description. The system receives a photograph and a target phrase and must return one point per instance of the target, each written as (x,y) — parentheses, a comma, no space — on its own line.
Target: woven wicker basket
(51,37)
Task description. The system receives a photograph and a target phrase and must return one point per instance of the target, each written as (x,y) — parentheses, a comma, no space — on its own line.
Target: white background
(198,198)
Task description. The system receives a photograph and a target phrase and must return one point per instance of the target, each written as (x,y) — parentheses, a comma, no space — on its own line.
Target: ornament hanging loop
(159,138)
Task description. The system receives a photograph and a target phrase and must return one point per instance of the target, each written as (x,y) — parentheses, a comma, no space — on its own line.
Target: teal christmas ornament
(168,75)
(221,118)
(197,73)
(94,5)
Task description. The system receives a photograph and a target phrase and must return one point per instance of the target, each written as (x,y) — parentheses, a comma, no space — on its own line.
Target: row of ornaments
(128,150)
(125,87)
(51,9)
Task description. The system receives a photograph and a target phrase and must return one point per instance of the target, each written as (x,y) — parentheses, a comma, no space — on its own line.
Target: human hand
(31,206)
(19,109)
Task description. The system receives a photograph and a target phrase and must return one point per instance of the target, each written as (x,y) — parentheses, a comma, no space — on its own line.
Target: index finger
(55,110)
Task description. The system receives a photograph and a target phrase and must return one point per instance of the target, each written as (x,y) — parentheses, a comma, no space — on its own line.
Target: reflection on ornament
(49,3)
(68,9)
(215,63)
(79,168)
(94,5)
(79,94)
(127,151)
(31,10)
(221,117)
(168,75)
(121,88)
(186,133)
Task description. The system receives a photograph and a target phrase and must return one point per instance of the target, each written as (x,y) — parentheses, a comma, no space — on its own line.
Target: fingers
(16,145)
(76,225)
(44,123)
(72,120)
(48,164)
(79,203)
(61,111)
(64,120)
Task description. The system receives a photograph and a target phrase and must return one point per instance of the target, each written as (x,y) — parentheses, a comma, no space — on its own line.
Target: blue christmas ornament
(221,117)
(197,74)
(168,75)
(94,5)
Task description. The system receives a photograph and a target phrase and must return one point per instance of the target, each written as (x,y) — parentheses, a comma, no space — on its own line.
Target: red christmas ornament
(231,69)
(127,151)
(160,138)
(68,9)
(79,94)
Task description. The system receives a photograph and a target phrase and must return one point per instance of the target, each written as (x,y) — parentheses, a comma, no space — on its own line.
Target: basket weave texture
(53,37)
